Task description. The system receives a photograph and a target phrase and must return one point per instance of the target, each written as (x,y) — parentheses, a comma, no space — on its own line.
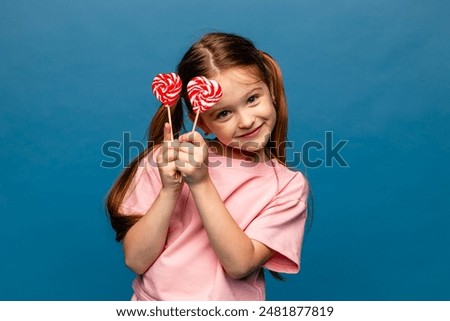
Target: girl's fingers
(169,151)
(190,148)
(192,137)
(170,156)
(167,138)
(188,156)
(167,131)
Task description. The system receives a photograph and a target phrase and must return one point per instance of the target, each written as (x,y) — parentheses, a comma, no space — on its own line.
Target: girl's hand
(170,176)
(192,160)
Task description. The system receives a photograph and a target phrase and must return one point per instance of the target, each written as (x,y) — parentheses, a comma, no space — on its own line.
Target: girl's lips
(251,133)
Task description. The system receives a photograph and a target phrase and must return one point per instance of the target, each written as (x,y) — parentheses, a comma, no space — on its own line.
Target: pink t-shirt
(267,200)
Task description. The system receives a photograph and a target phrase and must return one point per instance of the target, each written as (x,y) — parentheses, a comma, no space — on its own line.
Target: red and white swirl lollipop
(203,94)
(167,88)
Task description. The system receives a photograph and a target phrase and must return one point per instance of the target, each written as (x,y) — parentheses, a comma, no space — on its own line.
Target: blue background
(76,74)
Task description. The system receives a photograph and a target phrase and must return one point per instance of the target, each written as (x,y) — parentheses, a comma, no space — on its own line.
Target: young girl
(199,220)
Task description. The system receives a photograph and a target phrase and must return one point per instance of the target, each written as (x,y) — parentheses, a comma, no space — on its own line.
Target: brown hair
(213,53)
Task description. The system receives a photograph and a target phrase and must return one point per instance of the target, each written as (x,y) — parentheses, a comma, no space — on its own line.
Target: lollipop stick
(195,121)
(170,123)
(178,176)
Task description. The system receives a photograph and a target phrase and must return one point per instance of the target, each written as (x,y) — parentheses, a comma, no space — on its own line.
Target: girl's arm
(238,254)
(145,240)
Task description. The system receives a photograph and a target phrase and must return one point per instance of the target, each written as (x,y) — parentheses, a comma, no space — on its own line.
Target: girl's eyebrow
(246,95)
(252,90)
(250,93)
(216,109)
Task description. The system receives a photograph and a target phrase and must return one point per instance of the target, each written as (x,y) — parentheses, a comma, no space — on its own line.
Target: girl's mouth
(251,133)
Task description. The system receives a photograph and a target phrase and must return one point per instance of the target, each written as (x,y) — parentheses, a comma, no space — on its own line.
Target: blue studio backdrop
(368,88)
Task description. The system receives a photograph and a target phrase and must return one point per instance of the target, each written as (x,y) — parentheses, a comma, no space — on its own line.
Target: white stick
(196,119)
(170,123)
(178,176)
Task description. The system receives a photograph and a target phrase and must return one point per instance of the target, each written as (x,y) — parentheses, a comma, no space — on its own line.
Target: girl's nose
(246,120)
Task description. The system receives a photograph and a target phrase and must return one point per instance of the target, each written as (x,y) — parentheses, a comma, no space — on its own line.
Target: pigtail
(156,129)
(119,222)
(279,133)
(122,223)
(276,147)
(277,144)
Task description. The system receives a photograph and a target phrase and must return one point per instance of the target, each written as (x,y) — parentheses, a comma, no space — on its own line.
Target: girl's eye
(252,99)
(223,114)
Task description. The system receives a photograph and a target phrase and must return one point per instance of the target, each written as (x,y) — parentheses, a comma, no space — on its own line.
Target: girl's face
(245,115)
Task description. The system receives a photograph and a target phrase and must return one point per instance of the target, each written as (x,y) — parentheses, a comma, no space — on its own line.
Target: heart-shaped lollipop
(167,89)
(203,94)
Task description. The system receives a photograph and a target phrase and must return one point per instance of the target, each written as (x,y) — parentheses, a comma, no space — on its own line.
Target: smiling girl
(237,209)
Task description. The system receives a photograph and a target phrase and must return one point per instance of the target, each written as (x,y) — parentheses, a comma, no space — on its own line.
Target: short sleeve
(144,187)
(280,226)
